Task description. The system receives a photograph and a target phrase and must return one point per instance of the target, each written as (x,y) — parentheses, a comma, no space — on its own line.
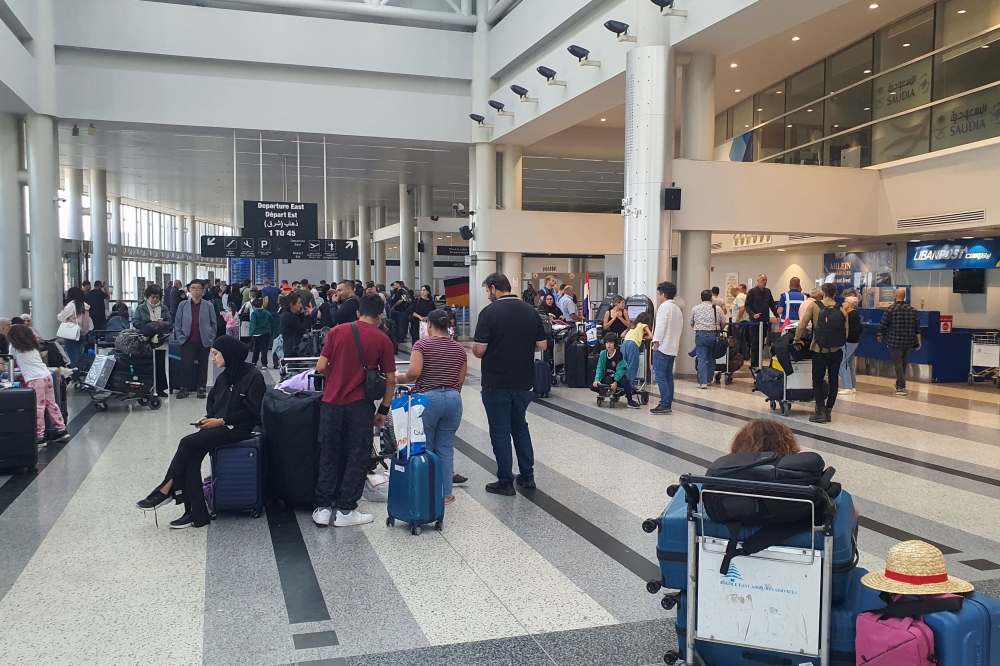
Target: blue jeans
(630,351)
(74,349)
(848,370)
(704,344)
(505,410)
(441,417)
(663,369)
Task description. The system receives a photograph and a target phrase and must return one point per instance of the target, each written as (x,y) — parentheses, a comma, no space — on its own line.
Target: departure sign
(323,249)
(280,219)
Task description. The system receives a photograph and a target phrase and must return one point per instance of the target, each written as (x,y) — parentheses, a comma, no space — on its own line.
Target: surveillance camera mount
(667,8)
(583,56)
(627,38)
(550,76)
(522,93)
(499,106)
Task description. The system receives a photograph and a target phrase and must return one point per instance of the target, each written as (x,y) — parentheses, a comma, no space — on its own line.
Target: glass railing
(945,98)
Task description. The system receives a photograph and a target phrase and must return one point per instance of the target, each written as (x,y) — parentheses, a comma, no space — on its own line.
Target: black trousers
(290,345)
(261,345)
(346,434)
(160,356)
(604,388)
(753,338)
(399,318)
(185,468)
(824,365)
(194,366)
(414,329)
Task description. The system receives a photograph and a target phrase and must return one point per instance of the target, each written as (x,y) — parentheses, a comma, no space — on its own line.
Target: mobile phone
(194,424)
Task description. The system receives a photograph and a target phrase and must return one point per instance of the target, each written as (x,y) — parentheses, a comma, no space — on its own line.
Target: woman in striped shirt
(437,366)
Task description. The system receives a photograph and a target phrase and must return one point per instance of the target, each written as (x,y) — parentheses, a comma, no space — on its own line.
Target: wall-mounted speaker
(671,198)
(465,232)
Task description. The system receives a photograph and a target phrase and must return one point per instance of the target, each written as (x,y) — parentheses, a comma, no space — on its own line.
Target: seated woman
(232,411)
(550,307)
(612,372)
(765,436)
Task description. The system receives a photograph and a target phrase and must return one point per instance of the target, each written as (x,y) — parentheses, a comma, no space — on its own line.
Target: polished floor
(554,576)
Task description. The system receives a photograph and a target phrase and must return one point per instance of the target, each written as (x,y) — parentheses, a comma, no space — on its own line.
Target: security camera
(583,55)
(621,31)
(667,8)
(664,4)
(523,94)
(480,120)
(499,107)
(435,218)
(550,76)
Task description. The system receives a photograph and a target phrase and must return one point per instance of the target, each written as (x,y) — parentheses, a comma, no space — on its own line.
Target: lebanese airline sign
(971,253)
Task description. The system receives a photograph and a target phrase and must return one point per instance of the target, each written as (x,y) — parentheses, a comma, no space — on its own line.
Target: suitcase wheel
(653,586)
(414,530)
(644,398)
(774,405)
(786,407)
(390,521)
(255,513)
(669,602)
(614,401)
(600,402)
(143,401)
(439,524)
(671,657)
(729,378)
(156,403)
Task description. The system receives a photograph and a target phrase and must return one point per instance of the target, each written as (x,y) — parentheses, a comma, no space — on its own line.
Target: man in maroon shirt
(346,417)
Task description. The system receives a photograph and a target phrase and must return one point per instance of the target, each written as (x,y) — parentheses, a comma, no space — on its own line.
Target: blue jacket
(206,322)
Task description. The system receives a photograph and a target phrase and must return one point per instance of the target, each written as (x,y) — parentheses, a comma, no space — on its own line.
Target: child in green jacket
(612,372)
(260,331)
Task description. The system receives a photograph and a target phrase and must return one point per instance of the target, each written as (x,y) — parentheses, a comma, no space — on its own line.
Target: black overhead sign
(280,219)
(453,251)
(324,249)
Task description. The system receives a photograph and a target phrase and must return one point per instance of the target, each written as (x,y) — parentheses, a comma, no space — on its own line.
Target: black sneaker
(202,394)
(633,405)
(526,481)
(184,521)
(183,393)
(458,479)
(161,394)
(661,410)
(154,500)
(60,437)
(498,488)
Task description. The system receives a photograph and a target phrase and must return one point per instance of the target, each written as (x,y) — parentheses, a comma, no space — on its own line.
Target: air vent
(941,220)
(801,238)
(716,246)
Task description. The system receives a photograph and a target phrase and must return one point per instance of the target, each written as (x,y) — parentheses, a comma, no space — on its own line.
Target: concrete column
(474,289)
(425,203)
(364,244)
(338,266)
(511,262)
(694,268)
(407,229)
(99,224)
(486,201)
(74,203)
(43,192)
(193,246)
(117,274)
(11,224)
(378,249)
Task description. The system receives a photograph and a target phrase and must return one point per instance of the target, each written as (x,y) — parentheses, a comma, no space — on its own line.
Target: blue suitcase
(238,478)
(970,637)
(671,546)
(416,491)
(771,383)
(843,630)
(543,379)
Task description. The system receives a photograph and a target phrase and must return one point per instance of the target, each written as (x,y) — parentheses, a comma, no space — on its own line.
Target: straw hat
(915,567)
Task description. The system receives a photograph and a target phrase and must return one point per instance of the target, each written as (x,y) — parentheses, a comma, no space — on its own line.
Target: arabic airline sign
(329,249)
(280,219)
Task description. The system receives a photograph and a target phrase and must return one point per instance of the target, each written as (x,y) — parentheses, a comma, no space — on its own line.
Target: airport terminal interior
(600,147)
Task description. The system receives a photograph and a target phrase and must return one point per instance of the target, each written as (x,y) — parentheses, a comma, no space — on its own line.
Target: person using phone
(152,311)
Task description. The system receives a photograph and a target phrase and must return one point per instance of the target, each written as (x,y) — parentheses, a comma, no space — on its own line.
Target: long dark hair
(22,338)
(439,319)
(76,295)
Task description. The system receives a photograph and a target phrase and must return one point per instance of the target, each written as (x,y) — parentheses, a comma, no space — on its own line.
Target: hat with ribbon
(915,567)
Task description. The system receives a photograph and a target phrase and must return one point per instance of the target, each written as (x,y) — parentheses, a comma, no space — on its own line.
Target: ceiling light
(760,109)
(809,110)
(780,249)
(868,71)
(604,120)
(746,126)
(836,126)
(905,45)
(737,90)
(961,11)
(550,76)
(915,240)
(873,6)
(733,64)
(986,46)
(841,246)
(868,108)
(621,30)
(967,237)
(777,92)
(795,39)
(790,125)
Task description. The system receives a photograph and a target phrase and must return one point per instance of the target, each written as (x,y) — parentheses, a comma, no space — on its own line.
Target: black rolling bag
(291,436)
(576,366)
(17,429)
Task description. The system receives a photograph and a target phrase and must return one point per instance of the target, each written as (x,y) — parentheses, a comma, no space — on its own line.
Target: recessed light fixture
(604,120)
(868,108)
(795,39)
(967,237)
(841,246)
(986,46)
(760,109)
(777,92)
(961,11)
(914,240)
(780,249)
(737,90)
(873,6)
(790,125)
(809,110)
(733,64)
(906,45)
(835,126)
(868,71)
(746,126)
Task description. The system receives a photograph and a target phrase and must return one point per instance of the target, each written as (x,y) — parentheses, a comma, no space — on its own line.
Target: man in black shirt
(347,311)
(293,325)
(97,299)
(759,306)
(399,303)
(508,334)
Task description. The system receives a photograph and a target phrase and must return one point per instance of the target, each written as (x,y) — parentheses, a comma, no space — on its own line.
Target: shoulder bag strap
(357,341)
(922,607)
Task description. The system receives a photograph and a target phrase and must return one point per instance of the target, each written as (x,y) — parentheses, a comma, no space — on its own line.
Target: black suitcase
(576,366)
(543,379)
(292,461)
(17,429)
(592,369)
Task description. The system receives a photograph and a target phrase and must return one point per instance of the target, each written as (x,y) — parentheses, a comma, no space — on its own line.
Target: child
(232,321)
(24,348)
(612,369)
(260,331)
(642,329)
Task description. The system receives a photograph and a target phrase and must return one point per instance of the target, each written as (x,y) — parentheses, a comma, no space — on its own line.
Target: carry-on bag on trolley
(238,477)
(416,486)
(17,425)
(576,365)
(543,379)
(291,433)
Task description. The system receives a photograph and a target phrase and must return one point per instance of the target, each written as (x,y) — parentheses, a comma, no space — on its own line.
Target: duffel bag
(133,343)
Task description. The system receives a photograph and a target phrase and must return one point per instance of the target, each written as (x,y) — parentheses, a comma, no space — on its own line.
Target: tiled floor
(552,577)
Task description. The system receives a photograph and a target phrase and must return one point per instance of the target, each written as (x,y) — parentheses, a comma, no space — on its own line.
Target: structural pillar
(425,208)
(407,229)
(364,244)
(350,267)
(193,245)
(486,198)
(43,194)
(99,224)
(11,223)
(694,258)
(511,262)
(338,266)
(378,248)
(117,274)
(74,204)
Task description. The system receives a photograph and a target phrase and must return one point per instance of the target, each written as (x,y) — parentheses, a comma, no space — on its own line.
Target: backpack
(831,328)
(897,636)
(780,519)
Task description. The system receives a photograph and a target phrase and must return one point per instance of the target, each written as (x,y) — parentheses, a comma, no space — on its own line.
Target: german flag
(456,291)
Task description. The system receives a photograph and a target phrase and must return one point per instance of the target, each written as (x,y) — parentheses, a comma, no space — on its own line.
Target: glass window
(974,63)
(720,129)
(961,19)
(970,118)
(743,117)
(849,108)
(901,137)
(805,125)
(768,105)
(908,39)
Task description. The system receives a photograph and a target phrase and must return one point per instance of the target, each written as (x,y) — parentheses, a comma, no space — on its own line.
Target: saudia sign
(975,253)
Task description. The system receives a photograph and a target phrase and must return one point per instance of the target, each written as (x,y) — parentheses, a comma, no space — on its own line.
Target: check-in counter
(942,357)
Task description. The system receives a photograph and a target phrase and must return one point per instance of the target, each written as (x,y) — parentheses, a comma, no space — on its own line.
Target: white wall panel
(20,13)
(18,88)
(546,232)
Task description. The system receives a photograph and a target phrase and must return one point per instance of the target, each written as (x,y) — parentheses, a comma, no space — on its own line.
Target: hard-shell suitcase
(843,631)
(238,477)
(671,546)
(970,636)
(416,490)
(291,432)
(59,392)
(771,383)
(17,428)
(576,365)
(543,379)
(592,368)
(174,373)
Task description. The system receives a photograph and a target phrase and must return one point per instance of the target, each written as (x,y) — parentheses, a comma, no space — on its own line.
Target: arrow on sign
(210,241)
(349,244)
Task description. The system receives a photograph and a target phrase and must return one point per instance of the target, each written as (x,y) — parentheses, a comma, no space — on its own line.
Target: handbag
(721,343)
(374,380)
(69,331)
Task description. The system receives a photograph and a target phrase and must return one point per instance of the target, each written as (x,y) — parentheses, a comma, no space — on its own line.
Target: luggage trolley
(985,364)
(732,360)
(138,387)
(792,587)
(636,305)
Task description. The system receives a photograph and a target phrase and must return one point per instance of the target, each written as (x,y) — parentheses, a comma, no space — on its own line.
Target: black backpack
(780,519)
(831,328)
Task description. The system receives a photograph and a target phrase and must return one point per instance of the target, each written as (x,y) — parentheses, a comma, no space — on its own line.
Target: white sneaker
(321,516)
(702,386)
(846,392)
(352,518)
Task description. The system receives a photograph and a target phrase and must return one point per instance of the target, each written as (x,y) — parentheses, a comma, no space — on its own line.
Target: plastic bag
(408,422)
(591,329)
(376,488)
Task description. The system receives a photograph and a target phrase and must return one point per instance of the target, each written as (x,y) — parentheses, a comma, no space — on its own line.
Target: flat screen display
(969,281)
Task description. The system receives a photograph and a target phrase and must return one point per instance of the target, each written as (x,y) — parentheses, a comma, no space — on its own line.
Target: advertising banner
(858,269)
(942,255)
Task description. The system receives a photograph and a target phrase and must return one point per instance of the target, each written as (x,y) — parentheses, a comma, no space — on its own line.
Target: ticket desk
(942,357)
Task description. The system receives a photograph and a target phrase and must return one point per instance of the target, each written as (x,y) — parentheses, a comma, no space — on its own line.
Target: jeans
(900,359)
(441,417)
(45,401)
(826,366)
(194,364)
(848,369)
(345,450)
(74,349)
(704,344)
(630,351)
(261,343)
(505,410)
(663,369)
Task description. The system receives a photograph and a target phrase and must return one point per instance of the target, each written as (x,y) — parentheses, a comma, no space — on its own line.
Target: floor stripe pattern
(550,577)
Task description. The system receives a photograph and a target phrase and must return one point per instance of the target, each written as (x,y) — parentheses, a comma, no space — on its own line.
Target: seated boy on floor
(612,372)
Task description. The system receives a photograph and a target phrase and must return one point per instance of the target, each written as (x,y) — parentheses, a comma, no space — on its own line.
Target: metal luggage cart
(724,360)
(985,363)
(799,380)
(293,365)
(771,575)
(140,391)
(644,379)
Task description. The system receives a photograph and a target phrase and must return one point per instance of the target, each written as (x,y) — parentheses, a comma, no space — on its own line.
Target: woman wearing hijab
(233,409)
